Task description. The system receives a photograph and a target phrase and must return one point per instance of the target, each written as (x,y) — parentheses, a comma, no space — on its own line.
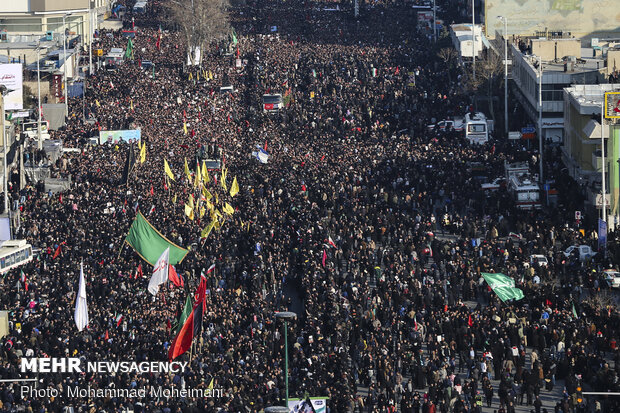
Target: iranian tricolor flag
(119,319)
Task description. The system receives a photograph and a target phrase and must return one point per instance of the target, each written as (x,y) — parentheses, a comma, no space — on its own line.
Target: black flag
(131,161)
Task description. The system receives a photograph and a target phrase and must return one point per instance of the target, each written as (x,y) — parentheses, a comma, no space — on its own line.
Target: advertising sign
(612,105)
(602,234)
(115,136)
(11,77)
(301,405)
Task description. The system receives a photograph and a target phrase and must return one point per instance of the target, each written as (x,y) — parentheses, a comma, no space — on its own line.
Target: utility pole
(540,111)
(434,21)
(4,177)
(604,201)
(473,38)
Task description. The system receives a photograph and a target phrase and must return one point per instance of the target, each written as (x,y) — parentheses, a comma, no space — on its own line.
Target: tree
(201,21)
(448,55)
(488,70)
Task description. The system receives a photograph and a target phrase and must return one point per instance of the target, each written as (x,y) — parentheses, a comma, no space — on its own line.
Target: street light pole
(604,201)
(540,111)
(64,47)
(286,316)
(286,360)
(505,20)
(434,21)
(40,140)
(473,38)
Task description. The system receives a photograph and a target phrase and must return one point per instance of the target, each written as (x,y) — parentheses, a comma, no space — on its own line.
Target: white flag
(160,272)
(81,307)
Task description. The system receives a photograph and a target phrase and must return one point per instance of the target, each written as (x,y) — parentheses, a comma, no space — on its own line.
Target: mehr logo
(74,365)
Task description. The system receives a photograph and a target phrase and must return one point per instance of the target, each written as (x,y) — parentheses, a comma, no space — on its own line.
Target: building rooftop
(590,97)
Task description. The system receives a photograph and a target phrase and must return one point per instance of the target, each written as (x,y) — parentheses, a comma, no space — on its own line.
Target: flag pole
(120,250)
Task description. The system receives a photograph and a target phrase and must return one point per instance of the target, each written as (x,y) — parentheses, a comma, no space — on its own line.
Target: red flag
(57,252)
(238,52)
(201,293)
(183,341)
(139,272)
(265,146)
(469,321)
(152,192)
(324,257)
(107,336)
(165,186)
(174,277)
(60,198)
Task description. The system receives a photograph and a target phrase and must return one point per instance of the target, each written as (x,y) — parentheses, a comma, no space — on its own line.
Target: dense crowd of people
(396,305)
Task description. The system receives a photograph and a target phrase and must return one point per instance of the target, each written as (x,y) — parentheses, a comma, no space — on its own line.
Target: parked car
(584,252)
(539,259)
(612,277)
(494,185)
(447,125)
(536,258)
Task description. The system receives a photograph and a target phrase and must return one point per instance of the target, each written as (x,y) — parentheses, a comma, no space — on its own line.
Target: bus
(13,253)
(476,128)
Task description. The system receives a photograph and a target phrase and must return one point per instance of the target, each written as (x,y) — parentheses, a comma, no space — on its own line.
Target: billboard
(612,105)
(579,17)
(115,136)
(11,77)
(300,405)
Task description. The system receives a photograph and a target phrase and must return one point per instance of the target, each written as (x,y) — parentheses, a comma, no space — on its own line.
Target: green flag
(503,286)
(234,36)
(186,312)
(574,311)
(150,244)
(129,51)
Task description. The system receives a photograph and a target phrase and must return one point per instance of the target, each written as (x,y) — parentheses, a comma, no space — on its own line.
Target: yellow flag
(205,232)
(206,194)
(143,153)
(209,206)
(190,77)
(185,128)
(210,387)
(131,104)
(228,209)
(223,181)
(186,168)
(202,212)
(97,103)
(234,188)
(174,199)
(198,177)
(191,201)
(217,201)
(189,211)
(205,173)
(217,225)
(167,170)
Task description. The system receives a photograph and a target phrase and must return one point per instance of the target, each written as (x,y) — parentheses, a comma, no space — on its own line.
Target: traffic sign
(528,129)
(546,187)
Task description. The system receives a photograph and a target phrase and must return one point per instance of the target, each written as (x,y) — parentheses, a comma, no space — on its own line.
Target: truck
(525,191)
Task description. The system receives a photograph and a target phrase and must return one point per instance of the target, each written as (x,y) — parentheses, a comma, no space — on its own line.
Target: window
(476,128)
(22,25)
